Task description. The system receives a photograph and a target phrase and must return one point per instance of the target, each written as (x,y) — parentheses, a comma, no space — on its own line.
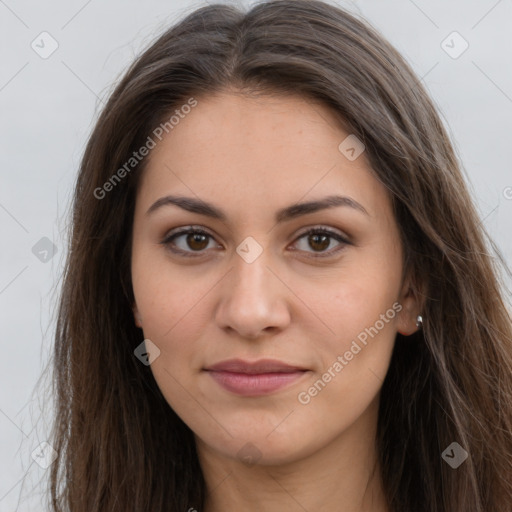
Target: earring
(419,321)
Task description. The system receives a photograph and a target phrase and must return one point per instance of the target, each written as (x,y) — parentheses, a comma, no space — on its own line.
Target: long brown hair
(120,446)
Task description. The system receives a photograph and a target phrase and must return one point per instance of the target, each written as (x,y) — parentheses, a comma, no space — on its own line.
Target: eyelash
(167,241)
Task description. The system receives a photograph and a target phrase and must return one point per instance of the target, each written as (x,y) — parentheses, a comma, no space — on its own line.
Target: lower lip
(254,384)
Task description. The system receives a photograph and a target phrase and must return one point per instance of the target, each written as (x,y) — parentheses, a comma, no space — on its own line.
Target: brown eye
(196,241)
(188,241)
(319,242)
(320,239)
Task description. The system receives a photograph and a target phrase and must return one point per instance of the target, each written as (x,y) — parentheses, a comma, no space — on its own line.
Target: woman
(278,294)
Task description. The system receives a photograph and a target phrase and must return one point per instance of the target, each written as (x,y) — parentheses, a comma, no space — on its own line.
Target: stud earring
(419,321)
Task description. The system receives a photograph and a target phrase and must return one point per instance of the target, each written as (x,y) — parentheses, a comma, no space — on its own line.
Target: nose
(253,299)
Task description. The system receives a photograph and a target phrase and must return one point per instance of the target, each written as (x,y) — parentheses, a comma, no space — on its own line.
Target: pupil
(325,238)
(196,238)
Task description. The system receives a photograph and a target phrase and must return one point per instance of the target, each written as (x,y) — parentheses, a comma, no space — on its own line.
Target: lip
(256,378)
(254,367)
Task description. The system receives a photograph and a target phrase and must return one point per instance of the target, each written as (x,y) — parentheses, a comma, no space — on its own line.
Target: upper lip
(254,367)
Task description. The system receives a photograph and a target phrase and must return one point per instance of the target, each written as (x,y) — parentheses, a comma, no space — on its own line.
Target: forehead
(257,154)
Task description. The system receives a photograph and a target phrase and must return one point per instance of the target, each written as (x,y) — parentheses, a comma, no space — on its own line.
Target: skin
(251,157)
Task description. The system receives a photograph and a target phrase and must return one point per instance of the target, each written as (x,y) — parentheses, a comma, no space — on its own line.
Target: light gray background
(48,107)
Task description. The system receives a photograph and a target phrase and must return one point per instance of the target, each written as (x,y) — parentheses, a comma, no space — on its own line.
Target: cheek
(172,310)
(361,310)
(361,347)
(167,296)
(358,300)
(355,359)
(173,321)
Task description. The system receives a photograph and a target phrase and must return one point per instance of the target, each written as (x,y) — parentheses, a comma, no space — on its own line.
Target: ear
(136,315)
(411,308)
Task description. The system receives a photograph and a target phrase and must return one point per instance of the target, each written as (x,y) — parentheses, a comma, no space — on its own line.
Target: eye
(192,237)
(320,239)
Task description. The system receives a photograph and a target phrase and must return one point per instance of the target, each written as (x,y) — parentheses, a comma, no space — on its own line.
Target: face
(256,276)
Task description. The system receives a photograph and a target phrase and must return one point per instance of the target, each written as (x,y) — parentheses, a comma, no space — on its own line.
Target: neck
(342,475)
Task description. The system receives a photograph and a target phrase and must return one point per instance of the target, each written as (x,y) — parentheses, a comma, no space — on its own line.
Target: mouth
(254,378)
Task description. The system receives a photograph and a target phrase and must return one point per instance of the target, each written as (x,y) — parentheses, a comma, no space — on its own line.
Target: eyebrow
(285,214)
